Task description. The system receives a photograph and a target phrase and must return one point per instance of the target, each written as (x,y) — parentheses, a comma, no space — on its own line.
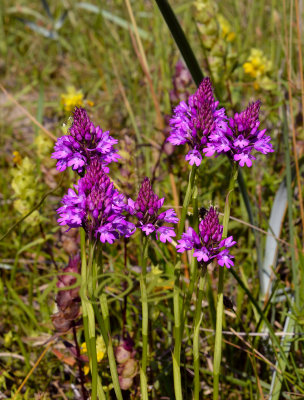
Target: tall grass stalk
(219,305)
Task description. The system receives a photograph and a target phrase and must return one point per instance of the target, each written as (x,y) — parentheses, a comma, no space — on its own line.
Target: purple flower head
(193,122)
(97,206)
(241,137)
(208,243)
(146,208)
(84,143)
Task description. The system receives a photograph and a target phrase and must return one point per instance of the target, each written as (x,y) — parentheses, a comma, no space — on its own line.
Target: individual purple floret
(208,244)
(97,206)
(194,121)
(146,208)
(241,137)
(84,143)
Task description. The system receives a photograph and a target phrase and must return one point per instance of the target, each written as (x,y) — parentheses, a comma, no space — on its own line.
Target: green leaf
(276,219)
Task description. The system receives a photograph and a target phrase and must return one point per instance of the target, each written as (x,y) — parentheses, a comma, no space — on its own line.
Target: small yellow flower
(83,348)
(17,157)
(100,350)
(73,98)
(257,64)
(225,27)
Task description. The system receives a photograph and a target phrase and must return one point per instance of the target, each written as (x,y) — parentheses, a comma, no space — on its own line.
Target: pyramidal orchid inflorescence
(84,143)
(97,206)
(241,137)
(209,131)
(146,208)
(208,244)
(194,121)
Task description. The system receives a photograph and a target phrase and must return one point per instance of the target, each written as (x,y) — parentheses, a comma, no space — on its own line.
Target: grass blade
(271,248)
(181,40)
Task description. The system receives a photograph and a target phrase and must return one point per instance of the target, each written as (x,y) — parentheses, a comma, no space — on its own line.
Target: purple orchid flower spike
(208,244)
(194,121)
(241,137)
(84,143)
(146,208)
(97,206)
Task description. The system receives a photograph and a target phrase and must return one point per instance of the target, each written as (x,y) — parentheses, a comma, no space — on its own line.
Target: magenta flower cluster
(241,137)
(208,130)
(84,143)
(194,121)
(97,206)
(208,244)
(146,208)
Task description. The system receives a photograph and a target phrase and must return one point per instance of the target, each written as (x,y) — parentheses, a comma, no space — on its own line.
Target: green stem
(89,317)
(193,266)
(219,305)
(108,342)
(145,319)
(197,322)
(103,320)
(187,201)
(178,327)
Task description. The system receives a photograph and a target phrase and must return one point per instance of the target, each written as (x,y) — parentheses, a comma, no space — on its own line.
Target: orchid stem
(145,319)
(178,325)
(104,323)
(219,305)
(197,323)
(89,317)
